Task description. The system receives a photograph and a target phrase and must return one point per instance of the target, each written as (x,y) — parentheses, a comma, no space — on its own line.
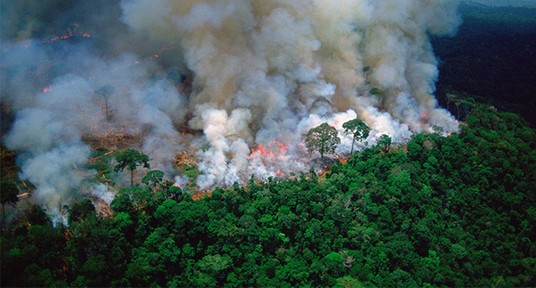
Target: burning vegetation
(311,124)
(213,91)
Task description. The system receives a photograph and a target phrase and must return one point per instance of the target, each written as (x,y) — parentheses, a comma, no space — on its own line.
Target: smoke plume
(239,82)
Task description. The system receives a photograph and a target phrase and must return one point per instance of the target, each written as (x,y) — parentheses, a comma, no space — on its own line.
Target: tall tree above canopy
(323,139)
(358,129)
(130,159)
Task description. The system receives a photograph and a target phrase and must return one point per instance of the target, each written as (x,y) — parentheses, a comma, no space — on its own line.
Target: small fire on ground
(270,150)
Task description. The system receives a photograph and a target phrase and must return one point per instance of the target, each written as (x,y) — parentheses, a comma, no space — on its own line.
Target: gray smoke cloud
(251,76)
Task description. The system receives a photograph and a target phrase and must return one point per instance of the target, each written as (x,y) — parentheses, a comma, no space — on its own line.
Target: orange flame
(425,116)
(69,35)
(271,150)
(262,151)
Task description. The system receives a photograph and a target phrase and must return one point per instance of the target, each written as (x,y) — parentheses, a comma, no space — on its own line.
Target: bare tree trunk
(107,109)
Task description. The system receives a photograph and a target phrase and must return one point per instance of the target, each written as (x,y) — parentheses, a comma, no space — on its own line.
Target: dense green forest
(492,55)
(437,211)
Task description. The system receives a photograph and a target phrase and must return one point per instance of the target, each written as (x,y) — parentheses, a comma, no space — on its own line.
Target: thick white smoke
(265,70)
(98,99)
(252,75)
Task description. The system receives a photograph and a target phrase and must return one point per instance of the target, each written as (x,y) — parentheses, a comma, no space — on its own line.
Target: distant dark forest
(493,56)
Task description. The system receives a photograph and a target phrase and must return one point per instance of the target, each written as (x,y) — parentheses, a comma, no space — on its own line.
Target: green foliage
(377,92)
(100,162)
(358,129)
(323,139)
(81,210)
(384,142)
(130,159)
(442,211)
(192,172)
(8,195)
(8,192)
(154,178)
(348,282)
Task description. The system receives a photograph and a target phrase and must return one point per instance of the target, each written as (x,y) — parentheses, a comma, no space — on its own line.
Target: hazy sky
(515,3)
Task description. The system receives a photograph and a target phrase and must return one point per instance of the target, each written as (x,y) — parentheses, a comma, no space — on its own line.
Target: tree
(381,221)
(153,178)
(81,210)
(105,92)
(8,195)
(131,159)
(322,138)
(384,142)
(358,129)
(347,282)
(122,201)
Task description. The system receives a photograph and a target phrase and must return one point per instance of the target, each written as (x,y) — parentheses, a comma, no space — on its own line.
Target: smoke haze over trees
(207,105)
(232,74)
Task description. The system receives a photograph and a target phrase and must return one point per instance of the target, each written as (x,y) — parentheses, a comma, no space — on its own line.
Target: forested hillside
(438,211)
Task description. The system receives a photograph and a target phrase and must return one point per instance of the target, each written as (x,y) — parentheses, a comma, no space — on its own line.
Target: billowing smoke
(246,79)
